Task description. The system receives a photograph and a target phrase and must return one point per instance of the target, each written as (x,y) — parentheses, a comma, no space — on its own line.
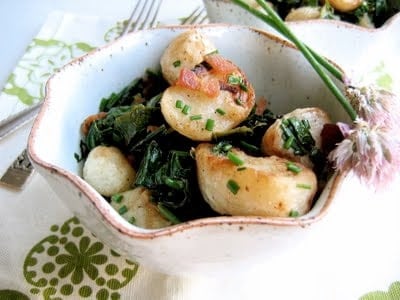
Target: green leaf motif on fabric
(41,59)
(12,295)
(115,31)
(393,293)
(383,79)
(72,262)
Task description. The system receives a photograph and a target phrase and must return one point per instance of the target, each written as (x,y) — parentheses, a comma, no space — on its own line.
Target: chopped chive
(166,213)
(241,168)
(304,186)
(132,220)
(195,117)
(176,63)
(234,79)
(213,52)
(235,159)
(293,167)
(288,143)
(220,111)
(123,209)
(178,104)
(238,101)
(227,147)
(117,198)
(173,183)
(233,186)
(249,147)
(237,80)
(186,109)
(210,124)
(243,86)
(294,213)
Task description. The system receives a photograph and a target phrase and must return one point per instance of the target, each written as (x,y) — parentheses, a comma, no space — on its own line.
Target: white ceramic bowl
(277,71)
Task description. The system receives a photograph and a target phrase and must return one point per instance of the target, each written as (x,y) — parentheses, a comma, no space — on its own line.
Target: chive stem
(235,159)
(220,111)
(185,109)
(293,167)
(195,117)
(303,186)
(123,209)
(117,198)
(166,213)
(210,124)
(233,186)
(316,61)
(173,183)
(178,104)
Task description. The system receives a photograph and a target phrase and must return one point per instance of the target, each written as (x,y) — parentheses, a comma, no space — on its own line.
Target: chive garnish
(132,220)
(233,186)
(237,80)
(249,147)
(288,143)
(241,168)
(166,213)
(173,183)
(176,63)
(234,79)
(235,159)
(195,117)
(226,147)
(123,209)
(178,104)
(117,198)
(213,52)
(186,109)
(293,167)
(304,186)
(294,213)
(220,111)
(210,124)
(243,86)
(238,101)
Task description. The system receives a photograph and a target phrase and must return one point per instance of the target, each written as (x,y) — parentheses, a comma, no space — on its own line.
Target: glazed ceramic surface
(278,72)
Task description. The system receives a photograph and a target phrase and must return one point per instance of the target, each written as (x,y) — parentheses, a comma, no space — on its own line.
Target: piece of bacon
(220,65)
(188,79)
(206,84)
(210,86)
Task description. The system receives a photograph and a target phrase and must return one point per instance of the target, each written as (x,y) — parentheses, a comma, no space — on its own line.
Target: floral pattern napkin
(59,258)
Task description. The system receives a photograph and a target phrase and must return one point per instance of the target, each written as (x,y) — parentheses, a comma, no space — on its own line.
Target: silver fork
(144,15)
(198,16)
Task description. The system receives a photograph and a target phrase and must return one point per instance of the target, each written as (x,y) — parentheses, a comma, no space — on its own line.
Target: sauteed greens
(191,141)
(162,156)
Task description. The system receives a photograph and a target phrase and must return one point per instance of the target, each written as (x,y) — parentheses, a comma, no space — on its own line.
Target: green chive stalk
(316,61)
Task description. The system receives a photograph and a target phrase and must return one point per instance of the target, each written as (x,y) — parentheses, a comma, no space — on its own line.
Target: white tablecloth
(354,253)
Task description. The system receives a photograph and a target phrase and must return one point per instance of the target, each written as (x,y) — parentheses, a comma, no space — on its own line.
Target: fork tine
(143,20)
(198,16)
(155,14)
(144,15)
(132,18)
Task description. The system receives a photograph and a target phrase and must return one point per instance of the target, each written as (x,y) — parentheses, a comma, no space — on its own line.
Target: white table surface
(356,248)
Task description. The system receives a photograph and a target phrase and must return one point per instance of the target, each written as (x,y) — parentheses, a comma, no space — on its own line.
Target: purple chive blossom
(377,107)
(372,152)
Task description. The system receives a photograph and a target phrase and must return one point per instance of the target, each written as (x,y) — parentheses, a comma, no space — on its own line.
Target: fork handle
(15,122)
